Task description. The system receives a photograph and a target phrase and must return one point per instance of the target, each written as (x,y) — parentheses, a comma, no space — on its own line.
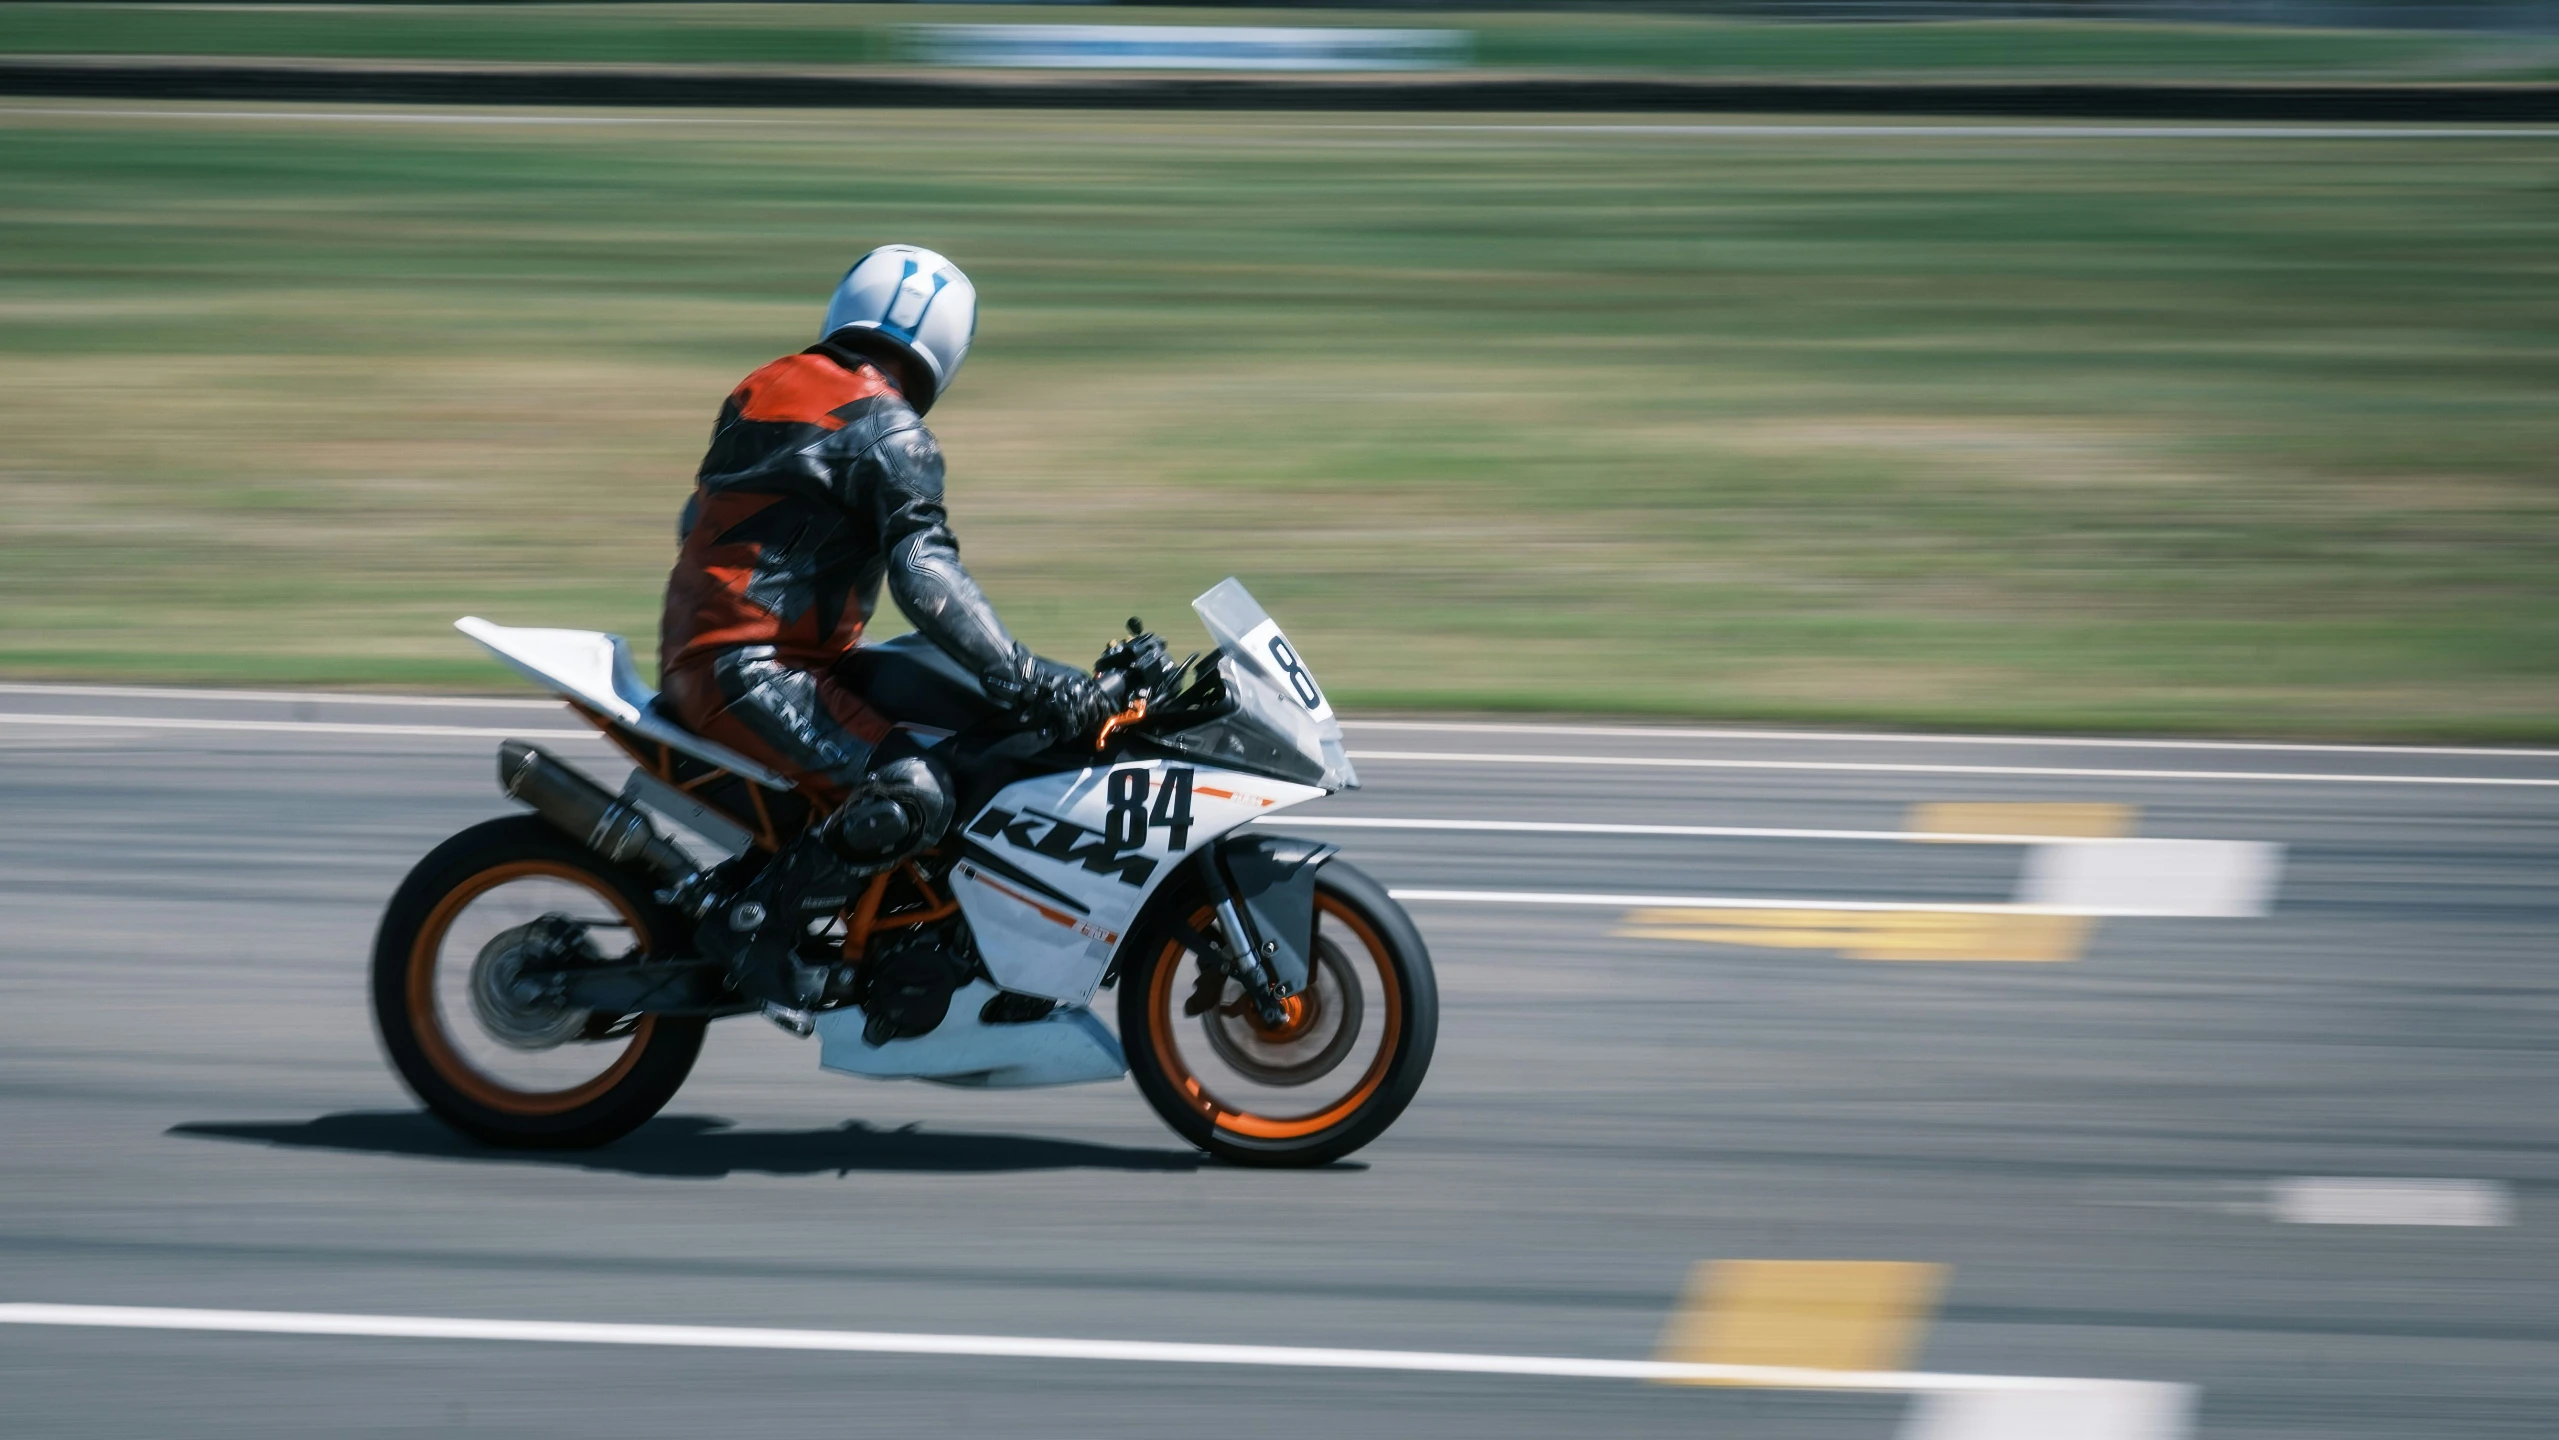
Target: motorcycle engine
(908,984)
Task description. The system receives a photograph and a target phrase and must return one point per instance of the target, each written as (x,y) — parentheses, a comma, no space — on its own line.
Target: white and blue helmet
(913,305)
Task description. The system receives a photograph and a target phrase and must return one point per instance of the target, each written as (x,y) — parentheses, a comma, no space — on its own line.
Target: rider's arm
(935,590)
(925,575)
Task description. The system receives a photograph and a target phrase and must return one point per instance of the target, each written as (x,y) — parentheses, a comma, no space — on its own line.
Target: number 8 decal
(1298,679)
(1126,827)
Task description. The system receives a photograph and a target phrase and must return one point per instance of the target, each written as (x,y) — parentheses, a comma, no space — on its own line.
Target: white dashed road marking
(2227,878)
(2358,1200)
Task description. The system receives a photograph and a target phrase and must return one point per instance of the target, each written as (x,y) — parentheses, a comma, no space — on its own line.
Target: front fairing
(1278,722)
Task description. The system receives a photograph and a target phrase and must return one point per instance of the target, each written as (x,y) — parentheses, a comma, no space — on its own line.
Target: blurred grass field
(825,35)
(2250,436)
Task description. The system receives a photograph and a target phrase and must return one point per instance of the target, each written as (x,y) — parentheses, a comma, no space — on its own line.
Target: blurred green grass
(821,35)
(2235,435)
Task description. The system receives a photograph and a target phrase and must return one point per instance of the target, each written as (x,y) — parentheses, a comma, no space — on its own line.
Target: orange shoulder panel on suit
(807,389)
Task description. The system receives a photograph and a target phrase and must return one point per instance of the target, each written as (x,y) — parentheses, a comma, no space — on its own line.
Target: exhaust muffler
(594,816)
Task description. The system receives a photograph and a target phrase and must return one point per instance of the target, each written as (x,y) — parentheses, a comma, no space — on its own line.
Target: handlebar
(1130,674)
(1138,666)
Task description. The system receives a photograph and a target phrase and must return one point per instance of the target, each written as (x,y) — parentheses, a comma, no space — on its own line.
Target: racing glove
(1053,696)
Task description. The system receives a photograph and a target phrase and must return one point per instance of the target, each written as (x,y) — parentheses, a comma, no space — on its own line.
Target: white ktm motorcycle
(536,984)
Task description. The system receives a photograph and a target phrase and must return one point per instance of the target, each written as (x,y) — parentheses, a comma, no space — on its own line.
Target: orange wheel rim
(427,1023)
(1159,1025)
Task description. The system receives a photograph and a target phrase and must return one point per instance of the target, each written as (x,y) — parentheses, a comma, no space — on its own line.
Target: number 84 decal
(1131,814)
(1123,832)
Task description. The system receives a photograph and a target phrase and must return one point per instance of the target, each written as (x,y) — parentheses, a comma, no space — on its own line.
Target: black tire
(406,954)
(1408,1022)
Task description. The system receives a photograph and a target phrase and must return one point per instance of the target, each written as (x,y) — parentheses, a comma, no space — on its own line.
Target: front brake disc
(1324,1024)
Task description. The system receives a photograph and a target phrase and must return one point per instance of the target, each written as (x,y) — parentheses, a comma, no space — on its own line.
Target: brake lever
(1130,716)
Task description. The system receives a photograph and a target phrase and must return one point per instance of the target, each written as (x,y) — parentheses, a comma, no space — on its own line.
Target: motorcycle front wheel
(444,970)
(1326,1081)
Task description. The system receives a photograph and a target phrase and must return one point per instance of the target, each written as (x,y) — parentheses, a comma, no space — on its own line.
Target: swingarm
(654,987)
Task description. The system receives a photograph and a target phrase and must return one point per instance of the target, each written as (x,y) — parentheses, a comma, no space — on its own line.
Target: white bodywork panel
(595,670)
(1046,894)
(1065,1047)
(1048,900)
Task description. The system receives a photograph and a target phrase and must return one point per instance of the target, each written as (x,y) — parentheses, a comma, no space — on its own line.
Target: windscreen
(1273,689)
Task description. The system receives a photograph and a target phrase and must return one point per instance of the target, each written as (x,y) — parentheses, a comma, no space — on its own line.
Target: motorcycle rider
(820,482)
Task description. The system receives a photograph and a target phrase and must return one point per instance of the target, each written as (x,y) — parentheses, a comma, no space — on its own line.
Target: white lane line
(2368,1200)
(1769,902)
(1450,757)
(1022,1347)
(1479,727)
(280,697)
(476,732)
(383,117)
(1781,131)
(311,727)
(1894,737)
(2013,132)
(1741,832)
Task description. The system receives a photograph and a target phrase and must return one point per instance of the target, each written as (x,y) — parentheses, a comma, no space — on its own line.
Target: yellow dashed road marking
(1914,934)
(1871,934)
(2092,820)
(1814,1314)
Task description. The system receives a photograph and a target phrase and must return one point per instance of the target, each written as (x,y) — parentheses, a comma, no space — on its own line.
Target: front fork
(1247,955)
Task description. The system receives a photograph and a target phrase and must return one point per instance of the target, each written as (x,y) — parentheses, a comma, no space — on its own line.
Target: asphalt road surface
(2108,1153)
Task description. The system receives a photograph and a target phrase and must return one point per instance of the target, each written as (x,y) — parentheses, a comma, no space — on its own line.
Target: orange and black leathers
(820,482)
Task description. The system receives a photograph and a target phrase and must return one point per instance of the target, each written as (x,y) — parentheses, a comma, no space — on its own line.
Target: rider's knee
(897,811)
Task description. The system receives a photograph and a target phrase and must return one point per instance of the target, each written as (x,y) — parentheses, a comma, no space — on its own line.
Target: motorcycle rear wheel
(638,1064)
(1261,1113)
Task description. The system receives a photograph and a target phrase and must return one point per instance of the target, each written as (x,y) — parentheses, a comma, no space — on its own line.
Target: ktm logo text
(1065,840)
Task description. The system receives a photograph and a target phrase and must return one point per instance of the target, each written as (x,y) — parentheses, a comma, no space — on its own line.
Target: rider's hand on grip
(1055,697)
(1140,663)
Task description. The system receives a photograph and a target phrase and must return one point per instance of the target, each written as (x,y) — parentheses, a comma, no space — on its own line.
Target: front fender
(1273,878)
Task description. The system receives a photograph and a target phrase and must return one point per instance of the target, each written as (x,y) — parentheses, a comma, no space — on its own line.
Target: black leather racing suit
(820,482)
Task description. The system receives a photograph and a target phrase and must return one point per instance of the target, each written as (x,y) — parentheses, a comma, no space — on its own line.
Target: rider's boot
(896,812)
(757,932)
